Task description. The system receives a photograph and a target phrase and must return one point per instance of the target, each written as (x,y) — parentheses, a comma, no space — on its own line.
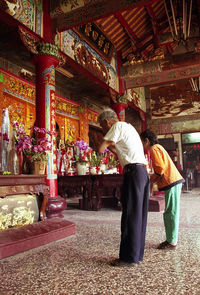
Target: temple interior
(61,64)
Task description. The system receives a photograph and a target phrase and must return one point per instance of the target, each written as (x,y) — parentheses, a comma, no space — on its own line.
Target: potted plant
(82,152)
(81,163)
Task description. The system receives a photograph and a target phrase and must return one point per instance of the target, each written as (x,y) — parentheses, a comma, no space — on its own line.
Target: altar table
(94,189)
(91,189)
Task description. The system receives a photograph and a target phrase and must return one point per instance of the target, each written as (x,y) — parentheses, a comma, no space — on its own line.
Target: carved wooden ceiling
(139,31)
(144,35)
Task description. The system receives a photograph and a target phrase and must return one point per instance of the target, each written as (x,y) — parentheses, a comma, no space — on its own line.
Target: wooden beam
(133,38)
(154,23)
(67,16)
(184,72)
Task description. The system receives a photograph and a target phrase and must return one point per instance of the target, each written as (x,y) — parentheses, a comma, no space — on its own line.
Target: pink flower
(35,146)
(5,137)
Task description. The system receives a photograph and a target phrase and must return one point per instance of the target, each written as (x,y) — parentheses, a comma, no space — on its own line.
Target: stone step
(20,239)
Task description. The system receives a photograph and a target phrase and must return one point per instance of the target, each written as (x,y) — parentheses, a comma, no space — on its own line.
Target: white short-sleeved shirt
(127,143)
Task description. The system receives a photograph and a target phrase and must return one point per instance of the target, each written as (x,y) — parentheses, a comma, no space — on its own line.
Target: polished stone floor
(79,264)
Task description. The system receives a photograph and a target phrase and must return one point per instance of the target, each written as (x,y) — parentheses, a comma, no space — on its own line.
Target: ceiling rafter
(154,23)
(128,30)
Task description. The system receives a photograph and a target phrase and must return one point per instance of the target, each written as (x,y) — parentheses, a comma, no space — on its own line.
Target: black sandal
(166,245)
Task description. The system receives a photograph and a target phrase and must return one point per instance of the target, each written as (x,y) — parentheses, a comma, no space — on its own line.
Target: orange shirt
(164,166)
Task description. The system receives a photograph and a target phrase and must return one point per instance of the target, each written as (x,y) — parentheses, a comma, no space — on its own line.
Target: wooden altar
(26,184)
(21,238)
(92,189)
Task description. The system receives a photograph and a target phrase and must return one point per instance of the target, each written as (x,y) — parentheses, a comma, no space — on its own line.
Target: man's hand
(106,144)
(112,148)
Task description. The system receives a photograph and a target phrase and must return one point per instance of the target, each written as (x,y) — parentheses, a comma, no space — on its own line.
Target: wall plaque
(92,34)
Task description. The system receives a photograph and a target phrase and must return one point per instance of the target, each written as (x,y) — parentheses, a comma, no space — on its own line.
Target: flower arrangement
(82,158)
(95,159)
(82,151)
(37,146)
(79,152)
(81,145)
(112,161)
(109,159)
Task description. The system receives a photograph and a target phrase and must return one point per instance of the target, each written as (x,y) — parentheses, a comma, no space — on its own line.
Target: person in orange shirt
(169,180)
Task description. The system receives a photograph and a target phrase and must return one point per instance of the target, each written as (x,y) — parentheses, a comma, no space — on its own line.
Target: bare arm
(112,148)
(107,144)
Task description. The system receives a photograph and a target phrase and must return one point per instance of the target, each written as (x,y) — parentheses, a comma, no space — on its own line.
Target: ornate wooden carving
(37,47)
(25,184)
(89,61)
(71,13)
(163,77)
(92,34)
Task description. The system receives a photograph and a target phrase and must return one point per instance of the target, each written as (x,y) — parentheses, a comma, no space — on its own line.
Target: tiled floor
(79,264)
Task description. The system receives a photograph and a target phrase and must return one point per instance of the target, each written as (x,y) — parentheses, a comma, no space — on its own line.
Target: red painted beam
(128,30)
(124,23)
(12,22)
(47,23)
(85,72)
(8,19)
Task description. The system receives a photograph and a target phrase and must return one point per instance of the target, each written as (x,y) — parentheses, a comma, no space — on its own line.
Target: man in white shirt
(123,140)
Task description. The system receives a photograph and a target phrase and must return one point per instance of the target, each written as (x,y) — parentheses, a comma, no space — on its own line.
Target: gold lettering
(106,48)
(88,29)
(95,35)
(101,40)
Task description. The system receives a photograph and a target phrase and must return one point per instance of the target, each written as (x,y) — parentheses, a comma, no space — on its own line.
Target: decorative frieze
(48,49)
(38,47)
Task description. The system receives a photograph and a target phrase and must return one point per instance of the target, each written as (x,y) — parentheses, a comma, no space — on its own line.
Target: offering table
(94,190)
(91,188)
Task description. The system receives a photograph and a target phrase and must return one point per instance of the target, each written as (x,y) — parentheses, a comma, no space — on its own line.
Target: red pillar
(45,118)
(119,108)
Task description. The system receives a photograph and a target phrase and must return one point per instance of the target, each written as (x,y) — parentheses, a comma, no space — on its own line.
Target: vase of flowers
(35,149)
(109,164)
(95,162)
(81,163)
(82,151)
(81,169)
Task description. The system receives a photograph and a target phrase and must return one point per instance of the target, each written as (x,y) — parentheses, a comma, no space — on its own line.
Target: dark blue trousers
(134,199)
